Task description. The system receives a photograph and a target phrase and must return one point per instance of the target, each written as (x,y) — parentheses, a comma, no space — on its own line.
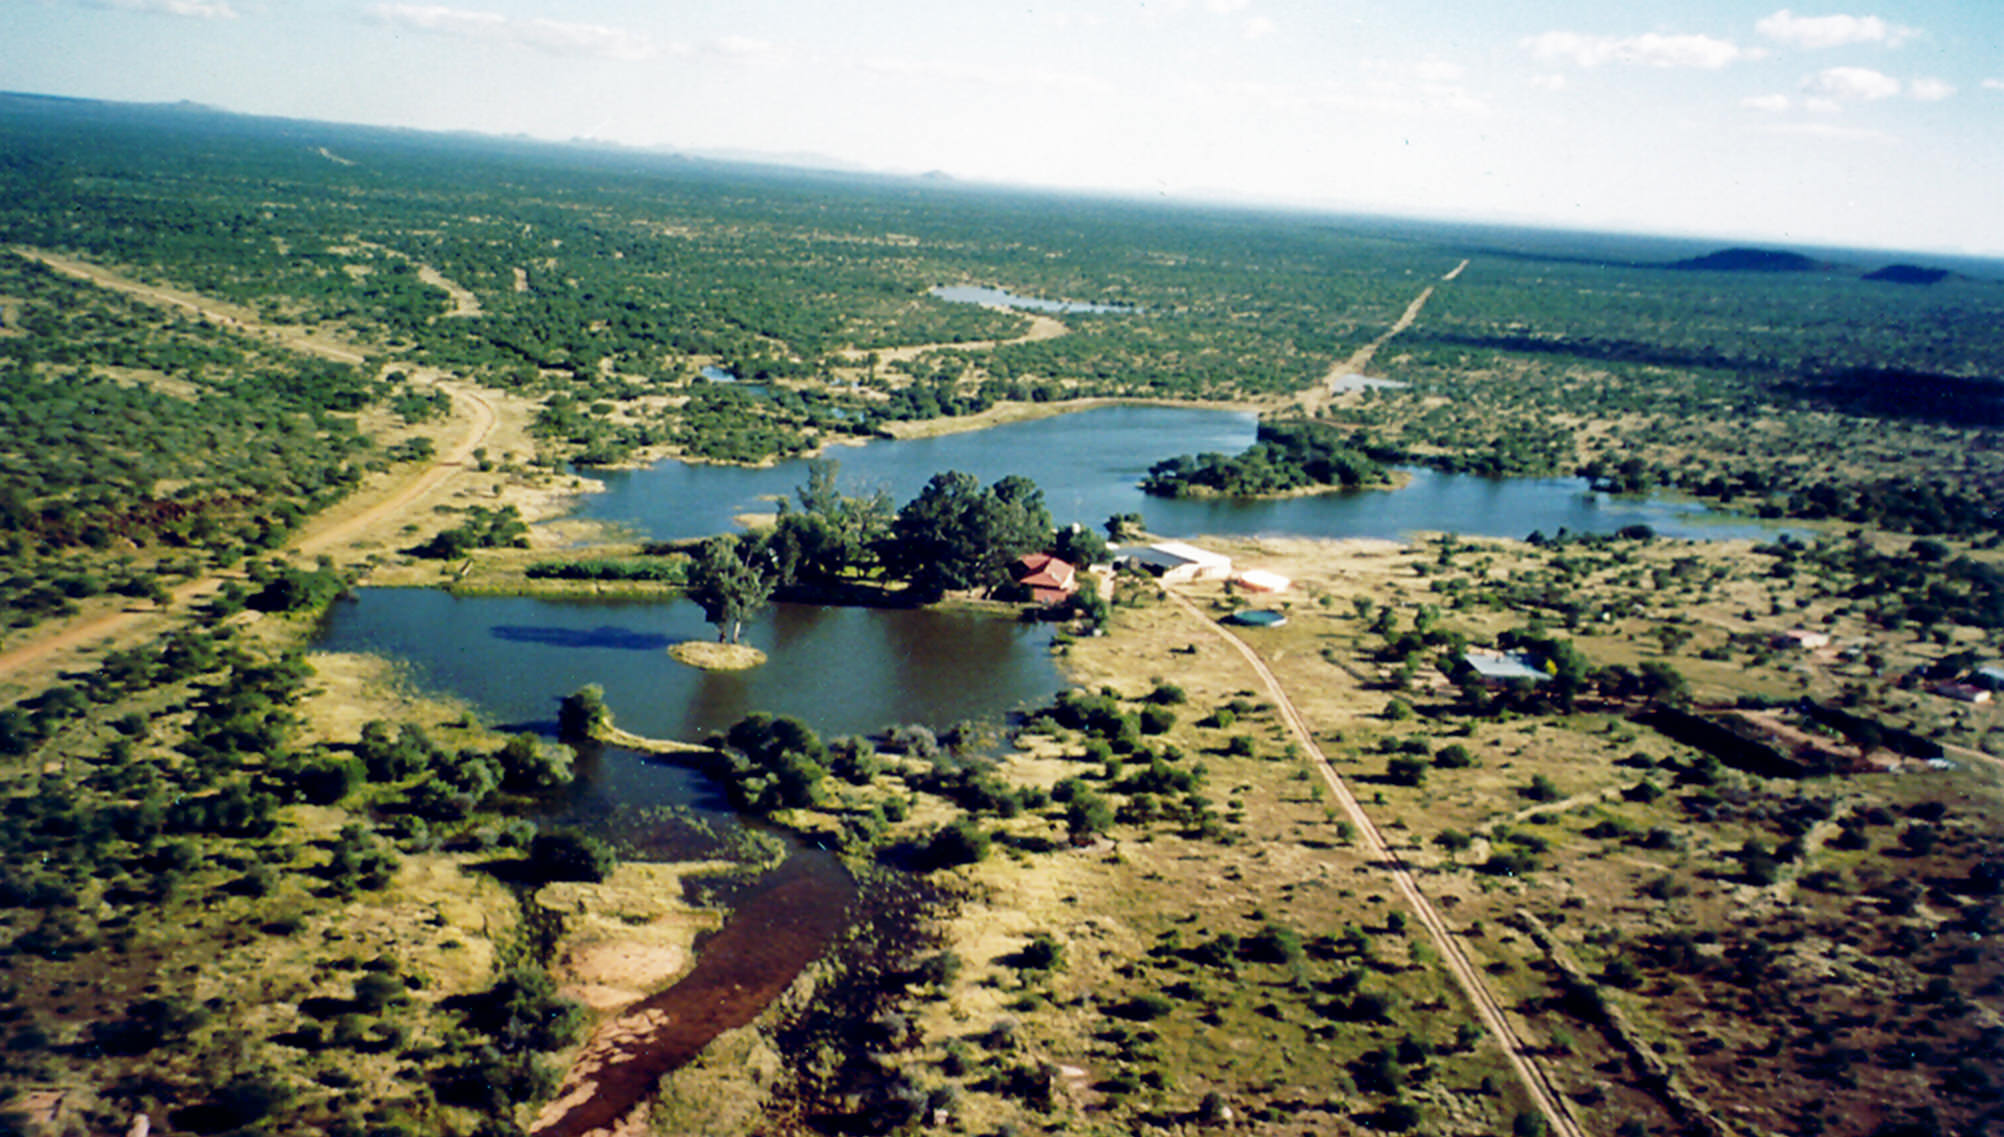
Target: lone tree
(732,579)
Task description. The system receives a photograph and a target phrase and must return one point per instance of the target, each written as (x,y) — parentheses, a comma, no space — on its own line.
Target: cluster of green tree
(152,820)
(728,424)
(955,535)
(207,447)
(769,763)
(1926,584)
(281,587)
(483,528)
(1287,455)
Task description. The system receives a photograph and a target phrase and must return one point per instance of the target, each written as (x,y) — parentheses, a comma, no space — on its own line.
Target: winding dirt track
(320,534)
(1558,1116)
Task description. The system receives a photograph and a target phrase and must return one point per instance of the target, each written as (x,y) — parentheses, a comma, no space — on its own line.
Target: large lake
(1090,464)
(857,670)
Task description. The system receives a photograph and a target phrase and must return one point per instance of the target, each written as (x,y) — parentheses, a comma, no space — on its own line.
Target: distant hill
(1751,260)
(1909,274)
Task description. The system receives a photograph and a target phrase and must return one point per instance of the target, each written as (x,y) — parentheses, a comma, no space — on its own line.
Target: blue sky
(1875,124)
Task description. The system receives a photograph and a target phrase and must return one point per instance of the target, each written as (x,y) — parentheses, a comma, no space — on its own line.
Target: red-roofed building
(1048,579)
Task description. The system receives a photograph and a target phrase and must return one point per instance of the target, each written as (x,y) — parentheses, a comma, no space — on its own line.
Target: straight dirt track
(1558,1116)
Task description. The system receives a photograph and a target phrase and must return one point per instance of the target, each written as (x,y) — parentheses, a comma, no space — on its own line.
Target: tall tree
(957,535)
(829,533)
(732,578)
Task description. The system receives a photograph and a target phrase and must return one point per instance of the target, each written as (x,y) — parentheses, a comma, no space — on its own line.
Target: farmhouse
(1047,579)
(1802,639)
(1178,563)
(1963,692)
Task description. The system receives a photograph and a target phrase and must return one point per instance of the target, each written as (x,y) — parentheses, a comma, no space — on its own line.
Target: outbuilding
(1501,669)
(1260,580)
(1178,563)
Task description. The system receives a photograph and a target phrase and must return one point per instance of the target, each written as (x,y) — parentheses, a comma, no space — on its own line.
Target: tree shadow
(603,637)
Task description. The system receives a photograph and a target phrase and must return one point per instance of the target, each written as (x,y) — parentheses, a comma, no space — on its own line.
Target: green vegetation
(1287,456)
(241,919)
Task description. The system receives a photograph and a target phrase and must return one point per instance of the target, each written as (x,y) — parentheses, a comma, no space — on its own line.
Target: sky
(1867,125)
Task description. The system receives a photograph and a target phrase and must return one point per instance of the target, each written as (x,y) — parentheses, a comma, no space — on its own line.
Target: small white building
(1260,580)
(1802,639)
(1176,562)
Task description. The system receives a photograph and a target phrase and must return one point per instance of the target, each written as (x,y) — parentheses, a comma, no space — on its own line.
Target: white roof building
(1176,562)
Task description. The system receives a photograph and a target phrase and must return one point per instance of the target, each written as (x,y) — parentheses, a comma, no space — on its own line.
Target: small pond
(1001,298)
(841,670)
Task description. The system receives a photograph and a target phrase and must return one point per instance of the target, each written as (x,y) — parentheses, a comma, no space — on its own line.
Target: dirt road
(1317,397)
(1558,1117)
(474,415)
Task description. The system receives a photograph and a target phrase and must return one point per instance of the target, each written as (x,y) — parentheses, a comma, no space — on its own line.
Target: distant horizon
(1876,127)
(809,163)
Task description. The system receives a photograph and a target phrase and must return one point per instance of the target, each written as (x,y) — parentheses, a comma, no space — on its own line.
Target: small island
(717,657)
(1286,458)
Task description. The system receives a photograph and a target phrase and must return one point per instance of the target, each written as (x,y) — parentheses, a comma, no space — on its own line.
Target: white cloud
(1767,102)
(1551,81)
(1705,53)
(1435,70)
(1993,84)
(747,47)
(556,37)
(1227,7)
(1852,84)
(1930,90)
(1377,88)
(1831,31)
(1259,27)
(1829,131)
(1000,78)
(192,9)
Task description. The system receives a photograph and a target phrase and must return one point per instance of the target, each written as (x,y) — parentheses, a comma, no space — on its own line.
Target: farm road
(475,418)
(1551,1104)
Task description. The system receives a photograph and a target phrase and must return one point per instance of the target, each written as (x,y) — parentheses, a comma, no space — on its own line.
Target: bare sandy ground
(464,303)
(1041,328)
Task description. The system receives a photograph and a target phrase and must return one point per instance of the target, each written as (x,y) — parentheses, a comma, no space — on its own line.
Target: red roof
(1047,577)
